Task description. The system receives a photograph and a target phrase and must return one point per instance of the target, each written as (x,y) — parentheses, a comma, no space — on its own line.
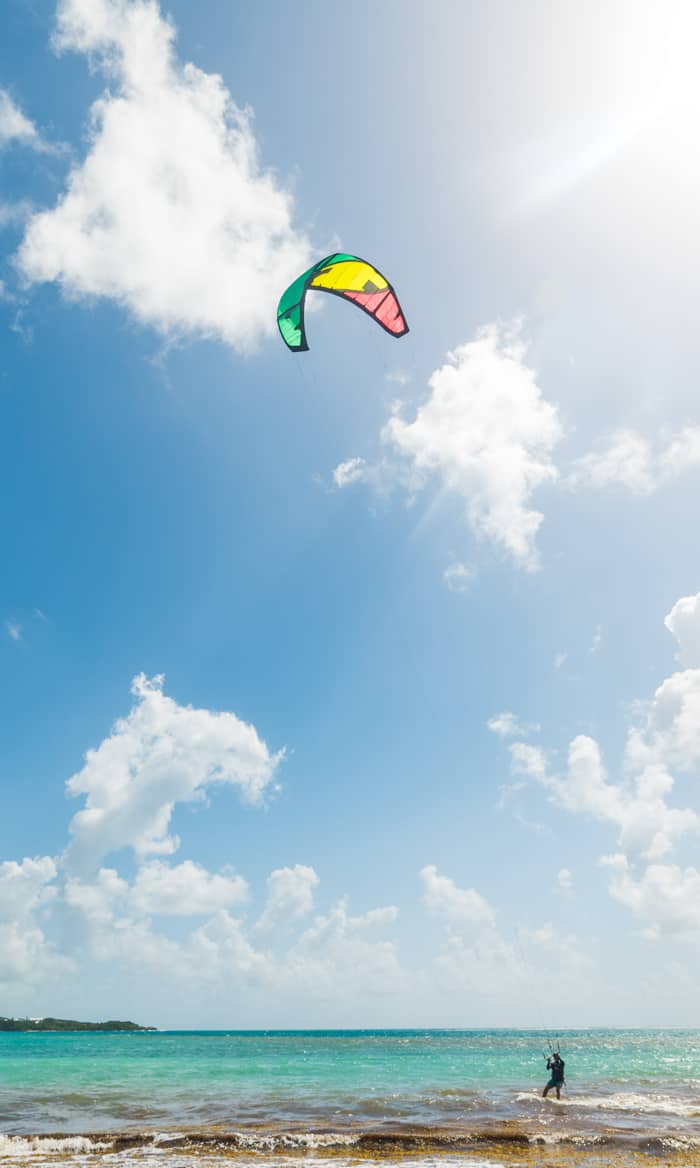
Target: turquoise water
(626,1083)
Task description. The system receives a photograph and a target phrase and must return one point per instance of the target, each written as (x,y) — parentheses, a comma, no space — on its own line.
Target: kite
(341,275)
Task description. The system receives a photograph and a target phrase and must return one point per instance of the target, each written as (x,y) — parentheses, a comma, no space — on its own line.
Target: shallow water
(441,1094)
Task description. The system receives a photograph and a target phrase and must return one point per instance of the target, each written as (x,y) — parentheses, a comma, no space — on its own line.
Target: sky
(356,687)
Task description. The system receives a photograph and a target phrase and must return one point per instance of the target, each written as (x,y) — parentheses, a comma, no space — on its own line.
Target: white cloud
(529,760)
(507,725)
(458,577)
(626,460)
(99,901)
(354,470)
(157,756)
(25,954)
(556,949)
(662,741)
(668,735)
(564,879)
(169,213)
(14,630)
(159,889)
(13,213)
(647,825)
(597,642)
(135,944)
(683,622)
(630,460)
(475,956)
(26,957)
(14,125)
(26,886)
(290,895)
(337,955)
(219,949)
(462,908)
(486,433)
(665,896)
(185,889)
(338,922)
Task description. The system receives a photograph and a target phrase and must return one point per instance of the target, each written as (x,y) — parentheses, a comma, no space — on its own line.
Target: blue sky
(345,564)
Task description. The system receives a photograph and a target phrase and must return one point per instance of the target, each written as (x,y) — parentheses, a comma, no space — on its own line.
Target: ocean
(442,1098)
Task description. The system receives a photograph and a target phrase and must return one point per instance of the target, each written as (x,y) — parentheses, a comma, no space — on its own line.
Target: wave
(367,1144)
(649,1104)
(26,1146)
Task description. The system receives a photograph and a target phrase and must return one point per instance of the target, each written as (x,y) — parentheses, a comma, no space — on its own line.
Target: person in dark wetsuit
(555,1066)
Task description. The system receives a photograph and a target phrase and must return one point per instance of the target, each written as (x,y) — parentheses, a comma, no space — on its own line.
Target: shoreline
(507,1141)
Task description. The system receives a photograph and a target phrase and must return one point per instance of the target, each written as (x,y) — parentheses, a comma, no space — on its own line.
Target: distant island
(28,1024)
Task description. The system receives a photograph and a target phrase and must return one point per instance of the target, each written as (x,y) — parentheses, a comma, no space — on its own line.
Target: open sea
(420,1098)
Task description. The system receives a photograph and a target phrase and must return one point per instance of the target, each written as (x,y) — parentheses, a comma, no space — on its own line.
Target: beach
(457,1099)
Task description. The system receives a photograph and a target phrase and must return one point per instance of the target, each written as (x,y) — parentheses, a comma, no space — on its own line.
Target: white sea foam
(18,1147)
(649,1104)
(295,1140)
(582,1141)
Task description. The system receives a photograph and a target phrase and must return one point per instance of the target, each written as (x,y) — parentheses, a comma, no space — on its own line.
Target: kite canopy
(342,275)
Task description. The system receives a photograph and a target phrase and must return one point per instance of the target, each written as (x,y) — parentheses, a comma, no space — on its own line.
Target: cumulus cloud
(683,622)
(336,955)
(185,889)
(339,953)
(530,761)
(648,827)
(564,879)
(25,954)
(26,886)
(220,949)
(485,433)
(663,741)
(97,901)
(290,895)
(26,957)
(159,755)
(665,897)
(475,956)
(668,735)
(462,908)
(632,461)
(169,214)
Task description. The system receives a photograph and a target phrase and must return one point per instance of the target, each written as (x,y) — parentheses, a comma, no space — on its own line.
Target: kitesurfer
(555,1066)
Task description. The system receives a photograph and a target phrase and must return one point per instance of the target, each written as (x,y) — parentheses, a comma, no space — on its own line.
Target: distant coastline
(24,1025)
